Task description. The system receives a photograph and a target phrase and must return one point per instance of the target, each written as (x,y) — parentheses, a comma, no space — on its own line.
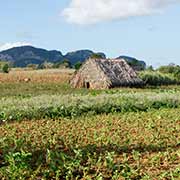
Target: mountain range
(24,55)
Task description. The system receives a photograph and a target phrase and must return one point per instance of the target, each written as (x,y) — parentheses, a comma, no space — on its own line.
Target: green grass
(34,88)
(144,145)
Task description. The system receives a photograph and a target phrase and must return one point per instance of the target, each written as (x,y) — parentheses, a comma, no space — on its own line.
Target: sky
(146,29)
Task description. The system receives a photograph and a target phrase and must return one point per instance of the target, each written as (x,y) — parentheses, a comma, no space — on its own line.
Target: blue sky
(116,28)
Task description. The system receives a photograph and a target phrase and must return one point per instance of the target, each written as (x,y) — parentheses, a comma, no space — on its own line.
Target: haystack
(105,74)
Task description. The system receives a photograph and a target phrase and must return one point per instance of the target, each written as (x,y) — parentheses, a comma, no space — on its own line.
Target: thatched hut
(104,74)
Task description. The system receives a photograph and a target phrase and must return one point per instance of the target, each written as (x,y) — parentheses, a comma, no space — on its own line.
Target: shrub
(62,64)
(157,78)
(150,68)
(78,65)
(5,68)
(46,65)
(177,74)
(172,69)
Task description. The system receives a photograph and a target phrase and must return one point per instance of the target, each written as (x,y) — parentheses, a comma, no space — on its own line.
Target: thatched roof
(105,73)
(118,72)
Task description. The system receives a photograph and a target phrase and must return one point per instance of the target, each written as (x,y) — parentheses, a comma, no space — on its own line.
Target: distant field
(39,76)
(55,81)
(49,130)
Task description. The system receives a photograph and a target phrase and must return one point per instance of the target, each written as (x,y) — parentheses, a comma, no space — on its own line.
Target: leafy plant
(78,65)
(5,68)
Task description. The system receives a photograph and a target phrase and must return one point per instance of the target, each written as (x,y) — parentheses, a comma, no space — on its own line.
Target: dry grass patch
(40,76)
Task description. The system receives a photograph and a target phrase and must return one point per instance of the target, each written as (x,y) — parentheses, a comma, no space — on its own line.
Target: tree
(78,65)
(64,64)
(150,68)
(46,65)
(97,56)
(5,68)
(171,69)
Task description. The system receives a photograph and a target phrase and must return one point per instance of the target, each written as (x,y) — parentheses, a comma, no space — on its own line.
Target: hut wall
(90,76)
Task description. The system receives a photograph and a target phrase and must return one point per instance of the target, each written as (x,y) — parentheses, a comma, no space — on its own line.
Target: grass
(56,132)
(142,145)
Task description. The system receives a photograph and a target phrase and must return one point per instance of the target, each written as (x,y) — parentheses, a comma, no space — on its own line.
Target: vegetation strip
(46,106)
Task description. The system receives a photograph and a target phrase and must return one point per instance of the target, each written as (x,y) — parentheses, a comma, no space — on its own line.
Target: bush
(156,78)
(177,74)
(172,69)
(63,64)
(46,65)
(78,65)
(5,68)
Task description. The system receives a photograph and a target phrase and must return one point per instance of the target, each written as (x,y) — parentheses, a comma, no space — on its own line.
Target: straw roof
(105,73)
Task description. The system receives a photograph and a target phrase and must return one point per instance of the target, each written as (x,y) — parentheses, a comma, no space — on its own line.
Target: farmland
(50,131)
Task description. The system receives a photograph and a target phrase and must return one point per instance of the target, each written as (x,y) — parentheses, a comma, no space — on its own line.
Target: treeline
(49,65)
(61,64)
(164,75)
(5,66)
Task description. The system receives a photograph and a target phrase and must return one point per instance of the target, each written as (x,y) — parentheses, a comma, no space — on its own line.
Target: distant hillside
(80,55)
(135,63)
(24,55)
(21,56)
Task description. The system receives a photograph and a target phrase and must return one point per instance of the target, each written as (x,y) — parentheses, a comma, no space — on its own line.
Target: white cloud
(94,11)
(11,45)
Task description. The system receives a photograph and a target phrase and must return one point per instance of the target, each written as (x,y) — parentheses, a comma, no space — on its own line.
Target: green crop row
(46,106)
